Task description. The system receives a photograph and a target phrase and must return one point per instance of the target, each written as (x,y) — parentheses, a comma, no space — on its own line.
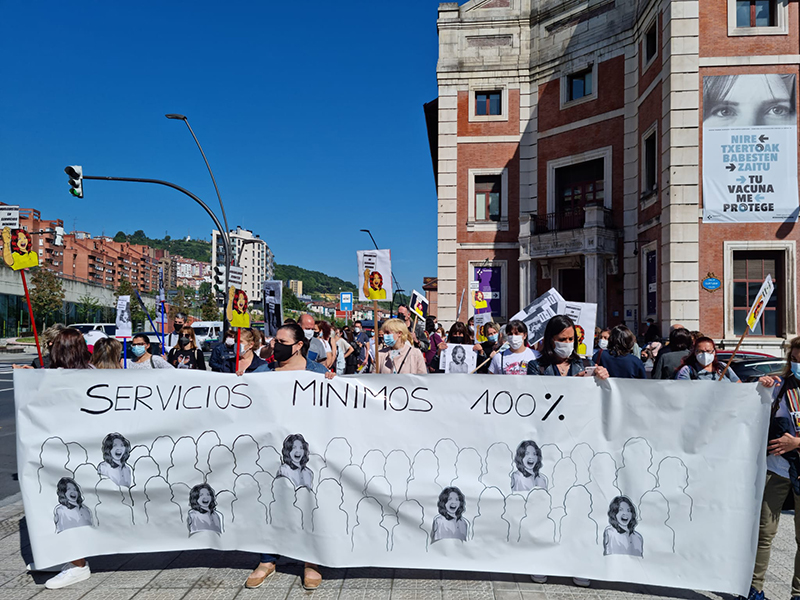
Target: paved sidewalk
(211,575)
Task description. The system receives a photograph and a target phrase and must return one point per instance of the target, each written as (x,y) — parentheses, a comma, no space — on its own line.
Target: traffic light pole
(223,232)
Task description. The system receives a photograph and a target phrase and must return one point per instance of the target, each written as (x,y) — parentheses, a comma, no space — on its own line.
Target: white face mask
(563,349)
(705,358)
(515,342)
(309,333)
(243,348)
(602,343)
(357,329)
(229,341)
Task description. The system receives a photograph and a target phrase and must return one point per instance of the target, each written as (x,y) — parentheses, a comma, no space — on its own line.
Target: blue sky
(310,114)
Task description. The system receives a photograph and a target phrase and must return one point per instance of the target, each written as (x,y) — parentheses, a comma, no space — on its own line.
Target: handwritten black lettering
(89,393)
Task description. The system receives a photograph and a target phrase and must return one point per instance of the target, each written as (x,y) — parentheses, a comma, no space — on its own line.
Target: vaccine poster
(750,149)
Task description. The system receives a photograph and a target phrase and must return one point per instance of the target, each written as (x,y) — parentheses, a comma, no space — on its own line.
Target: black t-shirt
(187,359)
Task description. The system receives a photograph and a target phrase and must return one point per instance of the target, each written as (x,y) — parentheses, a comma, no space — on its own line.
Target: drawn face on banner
(294,456)
(459,356)
(376,281)
(116,450)
(749,100)
(240,301)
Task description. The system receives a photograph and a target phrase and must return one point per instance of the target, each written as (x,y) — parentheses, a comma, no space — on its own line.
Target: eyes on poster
(375,275)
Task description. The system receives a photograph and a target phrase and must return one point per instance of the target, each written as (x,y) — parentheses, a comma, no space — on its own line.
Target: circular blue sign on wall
(711,284)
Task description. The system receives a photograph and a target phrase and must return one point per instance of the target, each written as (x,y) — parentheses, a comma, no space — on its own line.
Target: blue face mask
(388,339)
(137,350)
(493,338)
(796,369)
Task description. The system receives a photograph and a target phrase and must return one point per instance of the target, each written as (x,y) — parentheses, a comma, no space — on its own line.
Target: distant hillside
(314,282)
(194,249)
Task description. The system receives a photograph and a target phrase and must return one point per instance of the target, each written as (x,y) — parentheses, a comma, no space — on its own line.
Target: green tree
(47,294)
(209,310)
(87,308)
(178,304)
(120,237)
(205,289)
(291,301)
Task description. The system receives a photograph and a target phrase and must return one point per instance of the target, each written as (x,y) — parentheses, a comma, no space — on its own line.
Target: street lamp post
(225,240)
(226,232)
(397,287)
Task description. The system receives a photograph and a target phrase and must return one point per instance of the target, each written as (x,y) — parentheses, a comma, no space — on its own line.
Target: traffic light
(59,241)
(75,174)
(219,278)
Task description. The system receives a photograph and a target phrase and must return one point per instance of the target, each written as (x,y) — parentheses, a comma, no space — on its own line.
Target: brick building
(103,261)
(567,144)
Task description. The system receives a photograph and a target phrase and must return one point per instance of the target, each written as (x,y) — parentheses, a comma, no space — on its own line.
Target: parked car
(108,328)
(750,369)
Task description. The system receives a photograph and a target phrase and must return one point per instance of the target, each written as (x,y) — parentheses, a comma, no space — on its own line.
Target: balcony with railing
(565,220)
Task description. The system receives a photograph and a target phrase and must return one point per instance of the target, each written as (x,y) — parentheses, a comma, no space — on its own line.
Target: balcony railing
(566,220)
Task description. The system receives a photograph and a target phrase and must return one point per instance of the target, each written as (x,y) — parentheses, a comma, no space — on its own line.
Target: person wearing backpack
(701,363)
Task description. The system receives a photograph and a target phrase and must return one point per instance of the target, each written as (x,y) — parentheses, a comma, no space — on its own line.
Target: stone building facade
(567,143)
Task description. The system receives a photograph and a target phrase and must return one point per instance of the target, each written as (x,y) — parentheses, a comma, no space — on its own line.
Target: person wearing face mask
(602,342)
(434,341)
(185,354)
(515,359)
(290,351)
(178,321)
(398,354)
(249,361)
(361,341)
(782,467)
(619,359)
(459,334)
(701,363)
(670,359)
(223,355)
(140,348)
(559,352)
(487,349)
(316,349)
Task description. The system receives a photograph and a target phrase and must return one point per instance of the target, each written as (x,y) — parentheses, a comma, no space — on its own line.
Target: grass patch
(27,340)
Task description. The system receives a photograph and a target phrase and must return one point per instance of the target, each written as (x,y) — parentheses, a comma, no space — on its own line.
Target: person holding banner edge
(290,349)
(560,353)
(783,469)
(514,360)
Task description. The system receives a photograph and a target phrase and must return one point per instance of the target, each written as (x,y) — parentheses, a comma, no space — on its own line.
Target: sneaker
(754,595)
(581,582)
(312,578)
(69,574)
(32,568)
(539,578)
(262,572)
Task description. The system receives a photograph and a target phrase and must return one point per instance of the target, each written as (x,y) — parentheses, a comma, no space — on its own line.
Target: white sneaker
(581,582)
(32,568)
(539,578)
(70,574)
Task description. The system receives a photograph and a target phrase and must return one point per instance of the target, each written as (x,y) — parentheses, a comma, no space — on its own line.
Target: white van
(107,328)
(207,333)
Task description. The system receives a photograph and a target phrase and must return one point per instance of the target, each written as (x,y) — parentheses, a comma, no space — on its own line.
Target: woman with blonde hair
(107,353)
(185,354)
(398,354)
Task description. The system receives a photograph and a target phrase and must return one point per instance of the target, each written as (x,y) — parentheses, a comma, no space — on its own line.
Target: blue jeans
(270,558)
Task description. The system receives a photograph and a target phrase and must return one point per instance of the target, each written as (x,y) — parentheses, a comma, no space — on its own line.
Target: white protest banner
(471,473)
(584,315)
(749,148)
(374,275)
(760,303)
(123,321)
(273,307)
(9,217)
(539,312)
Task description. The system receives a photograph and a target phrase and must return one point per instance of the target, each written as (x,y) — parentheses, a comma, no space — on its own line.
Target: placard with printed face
(123,321)
(418,304)
(375,275)
(273,307)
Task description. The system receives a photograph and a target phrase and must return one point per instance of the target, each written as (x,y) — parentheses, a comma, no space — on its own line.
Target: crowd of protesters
(409,345)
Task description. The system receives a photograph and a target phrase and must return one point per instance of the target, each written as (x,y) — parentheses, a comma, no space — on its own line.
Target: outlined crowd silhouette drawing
(380,500)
